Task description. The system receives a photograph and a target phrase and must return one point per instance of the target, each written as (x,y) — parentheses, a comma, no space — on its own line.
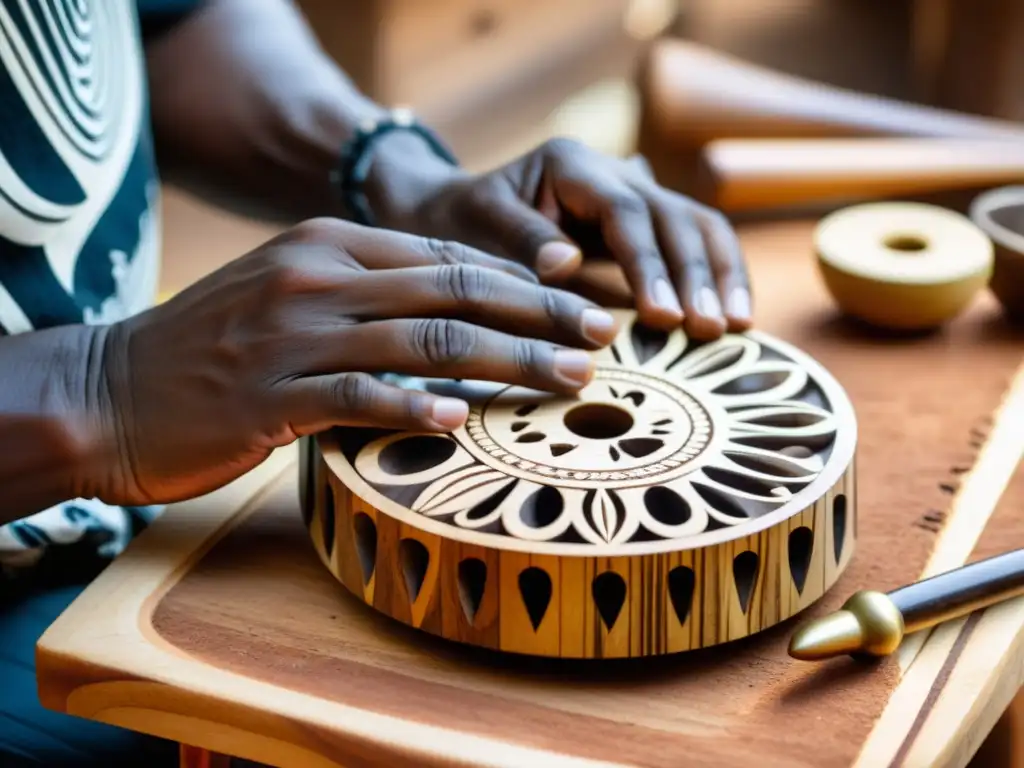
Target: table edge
(953,683)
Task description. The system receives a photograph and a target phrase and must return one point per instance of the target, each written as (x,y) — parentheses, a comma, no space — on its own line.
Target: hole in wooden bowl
(415,559)
(838,525)
(327,521)
(744,573)
(366,544)
(905,243)
(415,454)
(609,591)
(472,580)
(801,545)
(535,589)
(680,591)
(598,421)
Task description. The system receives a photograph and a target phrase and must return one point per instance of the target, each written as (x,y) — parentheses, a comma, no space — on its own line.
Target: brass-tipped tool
(873,623)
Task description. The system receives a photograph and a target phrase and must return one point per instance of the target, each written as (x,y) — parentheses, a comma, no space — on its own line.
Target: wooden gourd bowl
(1000,214)
(692,494)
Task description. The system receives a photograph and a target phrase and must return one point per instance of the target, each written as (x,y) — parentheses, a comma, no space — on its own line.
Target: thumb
(531,238)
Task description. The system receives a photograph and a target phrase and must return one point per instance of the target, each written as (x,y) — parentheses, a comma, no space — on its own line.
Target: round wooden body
(690,495)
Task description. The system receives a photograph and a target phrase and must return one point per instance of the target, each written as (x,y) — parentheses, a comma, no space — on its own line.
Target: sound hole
(598,421)
(542,508)
(366,544)
(666,506)
(838,525)
(609,591)
(744,572)
(801,544)
(535,589)
(680,591)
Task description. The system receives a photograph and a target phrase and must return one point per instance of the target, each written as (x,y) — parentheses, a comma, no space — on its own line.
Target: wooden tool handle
(693,95)
(751,174)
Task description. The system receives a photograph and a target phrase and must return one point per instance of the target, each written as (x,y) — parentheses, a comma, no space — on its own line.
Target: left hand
(546,209)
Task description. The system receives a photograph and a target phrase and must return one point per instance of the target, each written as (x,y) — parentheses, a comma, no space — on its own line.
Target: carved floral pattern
(686,438)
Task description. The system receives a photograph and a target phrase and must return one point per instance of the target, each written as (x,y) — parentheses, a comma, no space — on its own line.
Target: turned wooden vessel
(692,494)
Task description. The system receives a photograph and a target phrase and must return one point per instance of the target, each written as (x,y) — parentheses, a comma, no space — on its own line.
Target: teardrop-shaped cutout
(636,397)
(839,525)
(542,507)
(609,591)
(744,573)
(666,506)
(307,471)
(526,410)
(415,558)
(801,545)
(472,580)
(638,447)
(613,452)
(484,508)
(519,426)
(327,521)
(366,544)
(647,341)
(560,449)
(680,591)
(531,437)
(535,589)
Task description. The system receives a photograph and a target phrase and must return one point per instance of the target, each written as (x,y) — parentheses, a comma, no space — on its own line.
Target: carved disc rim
(840,456)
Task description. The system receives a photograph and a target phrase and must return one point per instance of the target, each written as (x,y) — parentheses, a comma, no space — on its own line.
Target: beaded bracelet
(357,154)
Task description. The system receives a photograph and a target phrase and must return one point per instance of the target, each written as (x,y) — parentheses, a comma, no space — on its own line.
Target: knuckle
(288,278)
(354,391)
(464,284)
(445,252)
(626,202)
(315,230)
(562,146)
(440,341)
(526,359)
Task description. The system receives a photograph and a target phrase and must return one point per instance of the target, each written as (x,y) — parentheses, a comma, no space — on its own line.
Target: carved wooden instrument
(692,494)
(693,95)
(750,174)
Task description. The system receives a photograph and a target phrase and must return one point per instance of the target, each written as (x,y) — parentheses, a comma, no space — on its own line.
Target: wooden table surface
(179,656)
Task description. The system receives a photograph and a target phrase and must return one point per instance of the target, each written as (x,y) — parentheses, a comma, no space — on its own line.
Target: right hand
(281,343)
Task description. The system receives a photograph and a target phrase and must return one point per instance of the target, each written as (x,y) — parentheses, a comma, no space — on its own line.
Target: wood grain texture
(760,174)
(690,495)
(230,634)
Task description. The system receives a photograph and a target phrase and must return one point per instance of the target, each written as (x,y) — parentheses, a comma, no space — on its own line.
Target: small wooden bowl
(1000,214)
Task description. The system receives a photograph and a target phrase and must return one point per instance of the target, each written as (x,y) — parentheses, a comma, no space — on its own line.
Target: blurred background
(496,77)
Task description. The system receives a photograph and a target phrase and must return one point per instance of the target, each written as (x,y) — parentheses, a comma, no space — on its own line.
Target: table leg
(194,757)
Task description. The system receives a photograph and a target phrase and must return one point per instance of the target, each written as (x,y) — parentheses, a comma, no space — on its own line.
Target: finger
(527,236)
(729,267)
(319,403)
(388,249)
(683,244)
(453,349)
(590,192)
(484,297)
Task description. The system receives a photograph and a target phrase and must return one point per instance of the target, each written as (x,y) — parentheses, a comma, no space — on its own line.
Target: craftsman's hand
(563,200)
(281,343)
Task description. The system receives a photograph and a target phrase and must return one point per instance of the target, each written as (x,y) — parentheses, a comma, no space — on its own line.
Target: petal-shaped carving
(711,365)
(445,495)
(762,383)
(368,462)
(760,464)
(510,512)
(662,524)
(625,347)
(612,514)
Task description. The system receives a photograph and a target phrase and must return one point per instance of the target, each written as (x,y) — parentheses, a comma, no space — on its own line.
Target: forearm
(249,109)
(51,448)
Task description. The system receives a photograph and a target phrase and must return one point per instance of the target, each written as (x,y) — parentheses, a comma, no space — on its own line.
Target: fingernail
(449,413)
(598,325)
(556,256)
(739,304)
(708,303)
(573,365)
(665,297)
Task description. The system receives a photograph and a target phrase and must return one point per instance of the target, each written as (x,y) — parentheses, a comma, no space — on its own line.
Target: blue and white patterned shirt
(79,212)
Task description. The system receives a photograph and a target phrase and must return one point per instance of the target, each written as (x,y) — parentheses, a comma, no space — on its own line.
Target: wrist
(404,172)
